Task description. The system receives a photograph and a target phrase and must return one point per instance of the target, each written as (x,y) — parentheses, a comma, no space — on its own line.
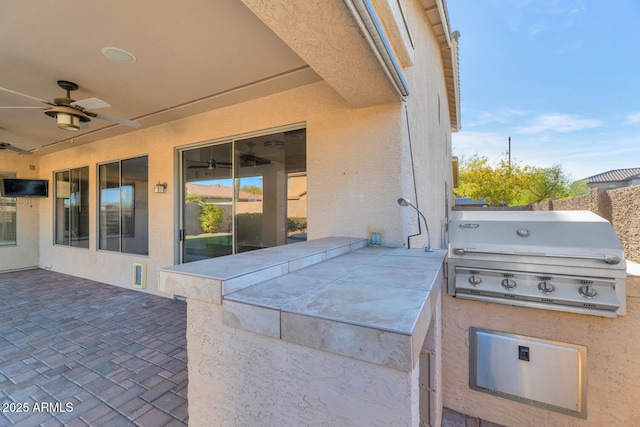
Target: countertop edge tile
(191,286)
(306,261)
(259,275)
(359,342)
(261,320)
(423,323)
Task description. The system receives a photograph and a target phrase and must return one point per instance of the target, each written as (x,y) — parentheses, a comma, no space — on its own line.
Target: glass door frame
(181,195)
(179,237)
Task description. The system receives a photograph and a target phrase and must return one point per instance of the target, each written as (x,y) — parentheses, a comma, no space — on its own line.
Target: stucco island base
(341,340)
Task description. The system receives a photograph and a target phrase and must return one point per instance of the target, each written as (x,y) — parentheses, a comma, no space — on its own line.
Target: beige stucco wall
(430,129)
(354,174)
(620,206)
(613,365)
(25,253)
(250,379)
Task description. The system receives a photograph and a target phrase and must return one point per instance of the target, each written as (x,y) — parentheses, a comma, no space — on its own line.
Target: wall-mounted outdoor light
(160,187)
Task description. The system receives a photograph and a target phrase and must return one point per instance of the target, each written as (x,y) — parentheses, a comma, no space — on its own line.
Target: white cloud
(504,115)
(633,118)
(563,123)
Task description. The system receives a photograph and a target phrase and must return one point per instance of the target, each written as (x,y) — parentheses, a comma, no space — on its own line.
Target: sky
(560,77)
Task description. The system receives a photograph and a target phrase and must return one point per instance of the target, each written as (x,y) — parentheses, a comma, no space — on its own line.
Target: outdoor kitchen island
(329,331)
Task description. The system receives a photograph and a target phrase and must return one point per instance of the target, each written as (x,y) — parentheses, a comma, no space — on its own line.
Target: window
(7,214)
(124,201)
(72,207)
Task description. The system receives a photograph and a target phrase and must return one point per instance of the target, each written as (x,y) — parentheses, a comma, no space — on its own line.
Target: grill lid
(564,236)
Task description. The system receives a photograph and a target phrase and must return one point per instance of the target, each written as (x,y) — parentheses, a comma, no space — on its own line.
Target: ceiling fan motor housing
(68,117)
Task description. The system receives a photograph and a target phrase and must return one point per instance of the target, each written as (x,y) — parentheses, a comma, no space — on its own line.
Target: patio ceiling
(188,60)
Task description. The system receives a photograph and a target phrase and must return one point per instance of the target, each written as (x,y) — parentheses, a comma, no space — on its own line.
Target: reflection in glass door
(207,214)
(244,195)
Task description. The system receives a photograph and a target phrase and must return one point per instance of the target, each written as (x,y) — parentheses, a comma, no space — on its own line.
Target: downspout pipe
(370,25)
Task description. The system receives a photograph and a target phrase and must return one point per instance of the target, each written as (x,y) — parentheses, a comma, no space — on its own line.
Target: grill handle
(609,259)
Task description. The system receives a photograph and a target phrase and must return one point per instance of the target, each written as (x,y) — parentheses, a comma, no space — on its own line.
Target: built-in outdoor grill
(559,260)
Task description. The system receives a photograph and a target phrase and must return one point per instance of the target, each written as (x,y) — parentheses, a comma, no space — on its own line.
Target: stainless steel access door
(544,373)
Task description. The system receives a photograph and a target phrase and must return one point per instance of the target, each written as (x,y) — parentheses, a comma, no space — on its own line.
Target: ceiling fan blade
(25,95)
(125,122)
(7,146)
(90,104)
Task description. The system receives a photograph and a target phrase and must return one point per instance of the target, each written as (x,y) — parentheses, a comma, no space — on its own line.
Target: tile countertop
(334,294)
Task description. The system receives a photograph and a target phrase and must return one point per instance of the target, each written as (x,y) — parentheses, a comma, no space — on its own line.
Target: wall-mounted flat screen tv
(14,187)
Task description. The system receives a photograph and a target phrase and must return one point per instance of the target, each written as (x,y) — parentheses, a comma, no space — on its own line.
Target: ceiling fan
(210,164)
(246,160)
(251,160)
(7,146)
(70,113)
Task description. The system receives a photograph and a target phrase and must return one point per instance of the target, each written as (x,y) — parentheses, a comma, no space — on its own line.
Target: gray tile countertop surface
(334,294)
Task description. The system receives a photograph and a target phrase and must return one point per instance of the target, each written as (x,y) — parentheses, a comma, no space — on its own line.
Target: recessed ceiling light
(118,55)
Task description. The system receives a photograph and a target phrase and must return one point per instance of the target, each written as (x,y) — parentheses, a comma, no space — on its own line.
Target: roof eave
(436,11)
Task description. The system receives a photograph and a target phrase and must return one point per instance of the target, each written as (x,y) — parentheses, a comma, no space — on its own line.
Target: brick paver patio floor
(75,352)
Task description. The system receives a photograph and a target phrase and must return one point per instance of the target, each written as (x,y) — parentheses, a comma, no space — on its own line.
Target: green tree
(497,185)
(193,198)
(251,189)
(541,184)
(296,223)
(210,218)
(510,184)
(579,188)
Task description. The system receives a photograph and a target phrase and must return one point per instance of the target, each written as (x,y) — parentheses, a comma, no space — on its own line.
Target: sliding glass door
(207,208)
(243,195)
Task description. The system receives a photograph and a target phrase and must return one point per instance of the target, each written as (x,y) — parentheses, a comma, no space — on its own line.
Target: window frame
(99,202)
(55,207)
(7,174)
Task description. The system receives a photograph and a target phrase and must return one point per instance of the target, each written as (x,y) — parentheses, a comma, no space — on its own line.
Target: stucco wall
(613,365)
(353,170)
(427,135)
(620,206)
(354,167)
(286,382)
(25,253)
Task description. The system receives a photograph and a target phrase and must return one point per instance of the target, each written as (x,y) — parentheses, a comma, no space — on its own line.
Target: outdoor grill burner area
(570,261)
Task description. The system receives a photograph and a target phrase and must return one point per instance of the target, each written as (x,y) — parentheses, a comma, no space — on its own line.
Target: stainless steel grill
(559,260)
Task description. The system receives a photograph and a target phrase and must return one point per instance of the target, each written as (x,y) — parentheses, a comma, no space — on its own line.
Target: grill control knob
(587,290)
(508,283)
(475,279)
(545,287)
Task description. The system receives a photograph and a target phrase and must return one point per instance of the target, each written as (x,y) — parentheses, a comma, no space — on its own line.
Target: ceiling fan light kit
(274,145)
(68,118)
(68,121)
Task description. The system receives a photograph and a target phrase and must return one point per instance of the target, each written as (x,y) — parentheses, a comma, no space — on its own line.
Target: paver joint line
(115,356)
